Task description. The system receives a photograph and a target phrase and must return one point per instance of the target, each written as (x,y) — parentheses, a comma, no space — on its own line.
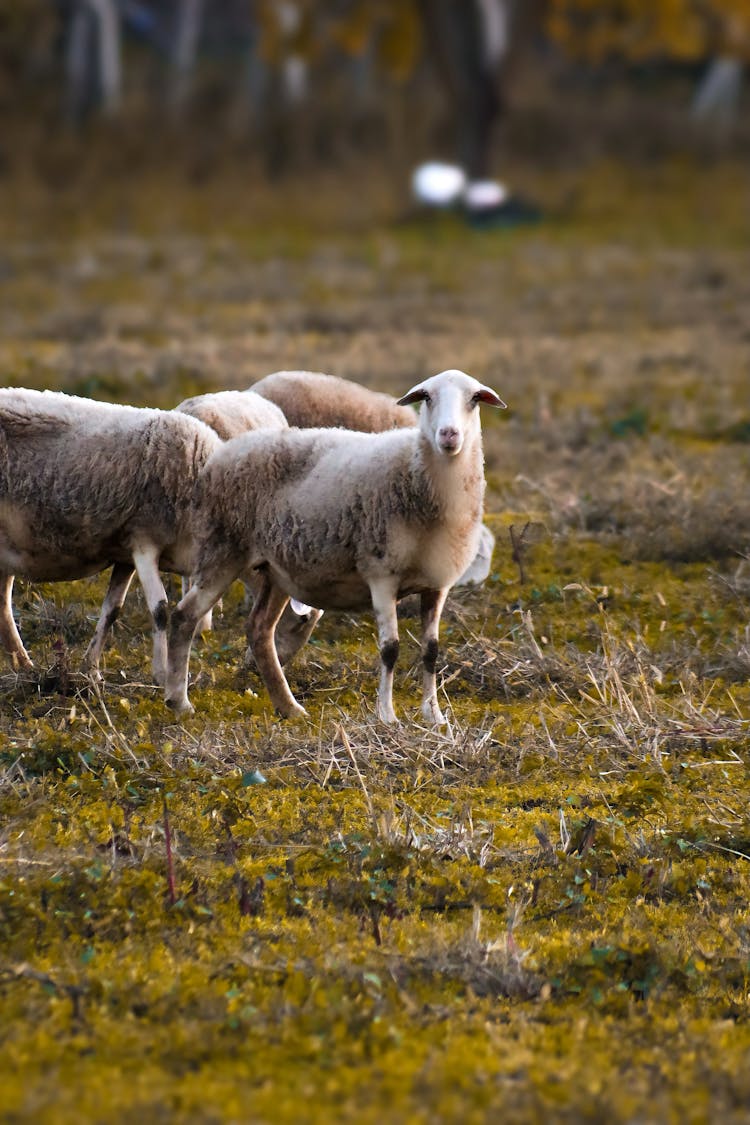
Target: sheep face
(448,415)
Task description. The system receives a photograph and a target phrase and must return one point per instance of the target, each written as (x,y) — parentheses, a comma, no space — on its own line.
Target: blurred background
(194,193)
(363,92)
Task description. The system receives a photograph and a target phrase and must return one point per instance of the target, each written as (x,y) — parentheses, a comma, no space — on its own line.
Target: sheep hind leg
(268,607)
(432,606)
(146,562)
(206,623)
(119,584)
(10,638)
(201,597)
(383,597)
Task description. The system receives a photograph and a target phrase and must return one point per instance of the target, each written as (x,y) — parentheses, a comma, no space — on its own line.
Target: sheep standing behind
(85,485)
(341,520)
(231,413)
(310,399)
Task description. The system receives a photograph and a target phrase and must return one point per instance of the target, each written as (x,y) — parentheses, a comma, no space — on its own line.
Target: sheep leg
(206,623)
(146,562)
(432,606)
(119,584)
(202,596)
(383,597)
(9,635)
(268,607)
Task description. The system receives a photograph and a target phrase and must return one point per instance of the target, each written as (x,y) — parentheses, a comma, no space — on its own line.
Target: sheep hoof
(180,706)
(293,711)
(433,715)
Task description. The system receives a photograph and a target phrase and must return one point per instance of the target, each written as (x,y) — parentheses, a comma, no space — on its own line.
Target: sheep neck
(456,483)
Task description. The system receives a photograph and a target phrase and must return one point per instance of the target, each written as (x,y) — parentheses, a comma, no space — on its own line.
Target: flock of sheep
(310,488)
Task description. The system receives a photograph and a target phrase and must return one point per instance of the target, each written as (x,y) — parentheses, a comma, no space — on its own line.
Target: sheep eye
(428,399)
(474,401)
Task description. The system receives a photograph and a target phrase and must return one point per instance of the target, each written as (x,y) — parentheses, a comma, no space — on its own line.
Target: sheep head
(449,408)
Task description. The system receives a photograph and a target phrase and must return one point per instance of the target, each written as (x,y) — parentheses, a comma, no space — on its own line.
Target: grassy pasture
(539,914)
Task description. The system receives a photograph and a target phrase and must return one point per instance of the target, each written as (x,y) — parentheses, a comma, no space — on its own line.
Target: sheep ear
(416,394)
(488,396)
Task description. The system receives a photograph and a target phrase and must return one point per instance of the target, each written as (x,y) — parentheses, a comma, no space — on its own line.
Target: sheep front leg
(268,607)
(146,562)
(119,584)
(9,635)
(383,596)
(202,596)
(432,603)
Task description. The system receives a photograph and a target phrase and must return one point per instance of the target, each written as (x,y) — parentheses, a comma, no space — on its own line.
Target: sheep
(310,399)
(85,485)
(313,399)
(341,520)
(231,413)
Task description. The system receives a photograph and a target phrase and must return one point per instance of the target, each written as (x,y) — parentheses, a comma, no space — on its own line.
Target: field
(537,914)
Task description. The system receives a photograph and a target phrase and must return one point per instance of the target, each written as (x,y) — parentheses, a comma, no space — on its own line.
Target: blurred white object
(717,98)
(438,185)
(300,608)
(295,72)
(481,194)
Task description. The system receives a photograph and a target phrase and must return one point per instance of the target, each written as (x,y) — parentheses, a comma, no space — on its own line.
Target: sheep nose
(449,438)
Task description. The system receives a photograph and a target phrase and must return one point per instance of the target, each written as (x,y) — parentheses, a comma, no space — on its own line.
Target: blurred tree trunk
(717,98)
(93,59)
(185,49)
